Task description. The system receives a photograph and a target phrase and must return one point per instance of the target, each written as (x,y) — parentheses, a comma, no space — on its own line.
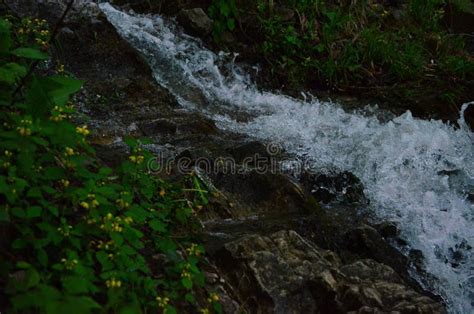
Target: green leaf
(130,309)
(66,86)
(32,278)
(39,103)
(11,72)
(4,215)
(76,284)
(18,212)
(5,36)
(54,173)
(35,192)
(182,214)
(225,8)
(53,210)
(231,24)
(42,257)
(190,298)
(30,53)
(23,265)
(187,282)
(117,238)
(33,212)
(157,225)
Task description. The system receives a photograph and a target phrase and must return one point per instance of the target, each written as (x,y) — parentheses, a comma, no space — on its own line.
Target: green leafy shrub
(224,13)
(77,236)
(361,45)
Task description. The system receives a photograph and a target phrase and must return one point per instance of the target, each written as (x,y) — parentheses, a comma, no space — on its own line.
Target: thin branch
(36,62)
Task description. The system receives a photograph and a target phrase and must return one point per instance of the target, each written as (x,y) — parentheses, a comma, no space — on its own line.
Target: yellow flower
(213,297)
(204,311)
(6,164)
(122,204)
(112,283)
(24,131)
(162,302)
(136,159)
(185,274)
(60,68)
(128,220)
(162,192)
(65,183)
(69,264)
(85,205)
(83,130)
(194,250)
(69,151)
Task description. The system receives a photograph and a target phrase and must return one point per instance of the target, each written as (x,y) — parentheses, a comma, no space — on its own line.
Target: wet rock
(284,273)
(264,191)
(366,242)
(198,125)
(387,229)
(342,187)
(195,22)
(51,10)
(250,151)
(156,127)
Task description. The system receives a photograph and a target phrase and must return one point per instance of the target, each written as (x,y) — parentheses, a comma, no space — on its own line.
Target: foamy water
(417,173)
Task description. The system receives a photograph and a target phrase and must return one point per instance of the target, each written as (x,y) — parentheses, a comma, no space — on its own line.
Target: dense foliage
(77,236)
(350,45)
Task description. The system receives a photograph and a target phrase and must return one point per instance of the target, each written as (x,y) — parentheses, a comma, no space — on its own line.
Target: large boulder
(195,21)
(284,273)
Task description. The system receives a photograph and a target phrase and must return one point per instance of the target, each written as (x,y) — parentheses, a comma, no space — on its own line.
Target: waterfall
(417,173)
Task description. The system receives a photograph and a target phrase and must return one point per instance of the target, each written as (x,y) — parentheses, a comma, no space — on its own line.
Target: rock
(342,187)
(366,242)
(285,273)
(195,22)
(250,151)
(264,191)
(198,125)
(387,229)
(157,127)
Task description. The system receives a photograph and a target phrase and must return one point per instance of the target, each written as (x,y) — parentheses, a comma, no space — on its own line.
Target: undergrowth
(78,236)
(350,45)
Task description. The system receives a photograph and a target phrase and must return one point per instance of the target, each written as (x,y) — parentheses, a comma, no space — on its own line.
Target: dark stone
(156,127)
(387,229)
(198,125)
(416,259)
(343,187)
(269,192)
(285,273)
(250,151)
(195,22)
(366,242)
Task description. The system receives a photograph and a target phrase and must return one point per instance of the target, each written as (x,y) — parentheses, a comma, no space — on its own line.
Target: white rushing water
(417,173)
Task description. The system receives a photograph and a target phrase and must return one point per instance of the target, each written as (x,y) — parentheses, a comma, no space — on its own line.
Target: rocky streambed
(276,241)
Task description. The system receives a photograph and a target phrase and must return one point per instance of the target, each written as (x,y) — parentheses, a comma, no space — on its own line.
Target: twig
(36,62)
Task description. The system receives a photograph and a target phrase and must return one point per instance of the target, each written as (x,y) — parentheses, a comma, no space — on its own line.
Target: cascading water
(417,173)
